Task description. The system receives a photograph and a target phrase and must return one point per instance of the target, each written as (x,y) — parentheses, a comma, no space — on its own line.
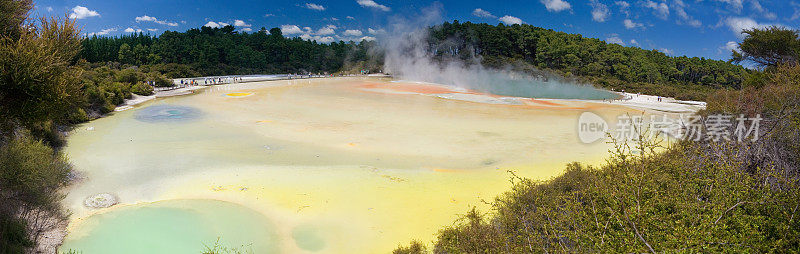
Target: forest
(223,51)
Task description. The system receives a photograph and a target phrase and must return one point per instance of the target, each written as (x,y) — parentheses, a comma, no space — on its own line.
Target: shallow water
(504,84)
(333,165)
(175,226)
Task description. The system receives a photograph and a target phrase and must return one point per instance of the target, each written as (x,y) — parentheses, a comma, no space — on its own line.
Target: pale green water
(532,88)
(307,238)
(176,226)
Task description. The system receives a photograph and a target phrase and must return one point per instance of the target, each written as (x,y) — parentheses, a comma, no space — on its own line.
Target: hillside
(527,47)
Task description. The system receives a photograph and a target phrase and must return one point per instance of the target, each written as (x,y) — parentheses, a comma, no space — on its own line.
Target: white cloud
(335,19)
(354,33)
(315,7)
(146,18)
(213,24)
(614,38)
(320,39)
(510,20)
(679,8)
(666,51)
(373,4)
(367,38)
(796,14)
(623,7)
(246,29)
(630,24)
(131,30)
(49,9)
(755,5)
(269,15)
(326,39)
(556,5)
(241,23)
(730,46)
(103,32)
(600,11)
(737,25)
(661,10)
(80,12)
(350,17)
(761,10)
(327,30)
(290,29)
(482,13)
(734,4)
(375,32)
(634,42)
(152,29)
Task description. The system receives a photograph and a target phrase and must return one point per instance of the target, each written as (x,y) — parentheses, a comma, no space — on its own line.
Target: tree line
(221,51)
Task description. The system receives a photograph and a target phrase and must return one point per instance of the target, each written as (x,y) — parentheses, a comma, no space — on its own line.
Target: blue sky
(706,28)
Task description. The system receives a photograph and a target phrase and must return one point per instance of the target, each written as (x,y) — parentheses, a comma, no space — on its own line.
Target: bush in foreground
(32,176)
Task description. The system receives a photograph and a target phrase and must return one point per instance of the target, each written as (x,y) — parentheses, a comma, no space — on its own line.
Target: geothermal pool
(336,165)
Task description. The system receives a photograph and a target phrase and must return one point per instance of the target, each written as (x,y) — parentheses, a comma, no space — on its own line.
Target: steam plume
(409,56)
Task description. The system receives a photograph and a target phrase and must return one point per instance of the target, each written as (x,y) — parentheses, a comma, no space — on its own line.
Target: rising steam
(409,56)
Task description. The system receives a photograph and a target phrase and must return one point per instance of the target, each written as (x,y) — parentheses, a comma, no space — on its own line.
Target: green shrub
(755,80)
(78,116)
(117,92)
(159,79)
(99,99)
(415,247)
(48,133)
(105,86)
(32,176)
(142,89)
(218,248)
(130,76)
(13,238)
(32,171)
